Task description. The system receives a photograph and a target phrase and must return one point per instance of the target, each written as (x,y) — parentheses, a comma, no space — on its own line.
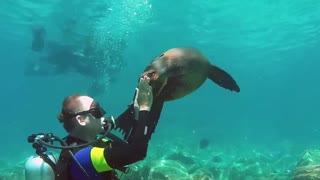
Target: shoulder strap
(62,166)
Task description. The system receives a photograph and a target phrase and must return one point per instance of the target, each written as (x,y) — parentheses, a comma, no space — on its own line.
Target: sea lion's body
(180,71)
(175,74)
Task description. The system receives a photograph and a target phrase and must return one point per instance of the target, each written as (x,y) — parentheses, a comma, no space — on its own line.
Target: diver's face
(92,119)
(94,125)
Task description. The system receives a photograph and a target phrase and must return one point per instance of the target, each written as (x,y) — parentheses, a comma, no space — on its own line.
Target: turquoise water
(270,47)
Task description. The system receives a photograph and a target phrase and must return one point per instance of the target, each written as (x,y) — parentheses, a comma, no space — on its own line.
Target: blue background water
(270,47)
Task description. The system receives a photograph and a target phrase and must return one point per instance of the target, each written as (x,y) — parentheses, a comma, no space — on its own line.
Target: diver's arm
(124,154)
(119,155)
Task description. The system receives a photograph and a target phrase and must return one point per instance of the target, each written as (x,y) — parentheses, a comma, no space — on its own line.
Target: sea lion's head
(157,72)
(152,74)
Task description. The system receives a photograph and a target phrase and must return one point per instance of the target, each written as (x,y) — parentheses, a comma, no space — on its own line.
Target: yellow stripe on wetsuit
(98,160)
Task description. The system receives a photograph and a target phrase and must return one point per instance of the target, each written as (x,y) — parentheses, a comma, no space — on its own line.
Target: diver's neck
(84,137)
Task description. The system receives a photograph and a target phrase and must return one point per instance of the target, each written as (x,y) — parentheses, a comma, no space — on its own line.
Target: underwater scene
(236,82)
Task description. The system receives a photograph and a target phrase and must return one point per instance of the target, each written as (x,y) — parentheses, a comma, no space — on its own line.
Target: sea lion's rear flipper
(222,78)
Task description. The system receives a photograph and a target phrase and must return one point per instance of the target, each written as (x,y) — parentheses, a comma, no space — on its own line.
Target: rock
(168,170)
(308,168)
(182,158)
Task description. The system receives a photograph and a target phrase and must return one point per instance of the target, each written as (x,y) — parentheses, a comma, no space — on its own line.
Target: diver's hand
(144,97)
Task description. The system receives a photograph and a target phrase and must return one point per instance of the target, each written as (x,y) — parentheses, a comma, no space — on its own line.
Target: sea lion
(173,75)
(180,71)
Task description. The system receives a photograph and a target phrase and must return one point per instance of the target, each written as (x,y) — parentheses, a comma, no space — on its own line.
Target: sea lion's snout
(152,74)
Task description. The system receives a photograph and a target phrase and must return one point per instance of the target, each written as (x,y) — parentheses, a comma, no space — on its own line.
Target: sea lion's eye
(161,55)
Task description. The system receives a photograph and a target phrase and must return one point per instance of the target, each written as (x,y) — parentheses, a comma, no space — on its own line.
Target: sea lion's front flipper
(222,78)
(164,83)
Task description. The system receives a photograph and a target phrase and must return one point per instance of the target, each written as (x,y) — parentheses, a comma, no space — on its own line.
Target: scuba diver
(86,153)
(101,63)
(38,42)
(89,60)
(61,59)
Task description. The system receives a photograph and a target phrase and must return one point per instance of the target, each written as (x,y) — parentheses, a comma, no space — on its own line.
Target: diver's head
(82,117)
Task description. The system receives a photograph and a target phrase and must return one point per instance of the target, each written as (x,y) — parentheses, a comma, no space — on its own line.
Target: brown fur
(180,71)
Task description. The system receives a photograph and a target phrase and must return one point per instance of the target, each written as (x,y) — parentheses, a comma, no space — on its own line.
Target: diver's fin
(222,78)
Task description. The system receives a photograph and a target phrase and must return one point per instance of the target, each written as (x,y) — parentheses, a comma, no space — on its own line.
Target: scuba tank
(36,168)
